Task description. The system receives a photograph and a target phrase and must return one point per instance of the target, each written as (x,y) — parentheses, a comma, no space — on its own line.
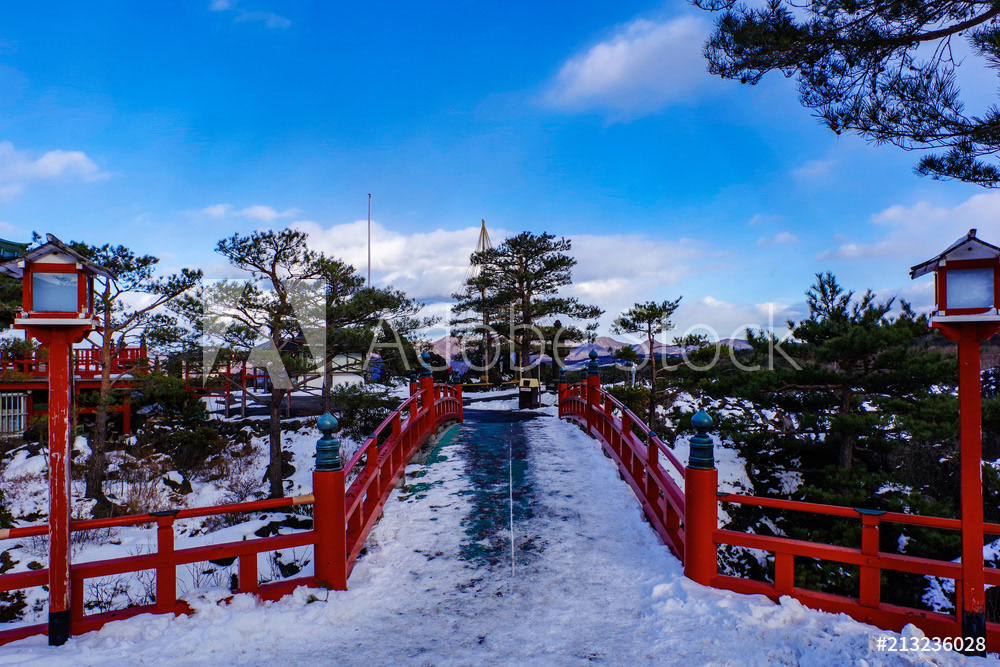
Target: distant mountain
(448,347)
(605,346)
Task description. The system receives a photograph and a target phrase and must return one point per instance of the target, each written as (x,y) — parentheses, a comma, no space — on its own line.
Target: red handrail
(640,463)
(607,420)
(401,435)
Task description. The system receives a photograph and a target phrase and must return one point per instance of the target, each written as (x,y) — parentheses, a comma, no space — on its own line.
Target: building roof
(11,248)
(52,246)
(967,247)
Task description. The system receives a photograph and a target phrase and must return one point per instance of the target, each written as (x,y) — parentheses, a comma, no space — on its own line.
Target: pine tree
(882,70)
(121,319)
(854,411)
(293,295)
(648,319)
(521,279)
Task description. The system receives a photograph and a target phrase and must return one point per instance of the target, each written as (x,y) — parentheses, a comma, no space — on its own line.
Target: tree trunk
(650,340)
(327,402)
(524,351)
(97,464)
(274,439)
(846,459)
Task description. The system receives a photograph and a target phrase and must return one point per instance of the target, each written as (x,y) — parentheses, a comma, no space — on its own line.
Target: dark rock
(183,487)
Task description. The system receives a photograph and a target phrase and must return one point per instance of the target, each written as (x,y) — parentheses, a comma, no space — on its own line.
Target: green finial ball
(327,424)
(425,356)
(701,421)
(593,355)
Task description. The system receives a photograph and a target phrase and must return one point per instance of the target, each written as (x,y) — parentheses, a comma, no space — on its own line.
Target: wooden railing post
(870,586)
(562,390)
(593,391)
(329,509)
(457,385)
(166,572)
(427,395)
(701,508)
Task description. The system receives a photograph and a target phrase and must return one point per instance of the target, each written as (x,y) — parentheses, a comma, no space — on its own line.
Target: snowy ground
(588,582)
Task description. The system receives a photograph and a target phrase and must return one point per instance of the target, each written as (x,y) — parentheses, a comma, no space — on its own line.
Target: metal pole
(369,240)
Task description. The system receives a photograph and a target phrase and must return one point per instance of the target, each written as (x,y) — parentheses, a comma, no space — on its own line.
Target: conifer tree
(521,279)
(121,319)
(882,70)
(855,410)
(648,319)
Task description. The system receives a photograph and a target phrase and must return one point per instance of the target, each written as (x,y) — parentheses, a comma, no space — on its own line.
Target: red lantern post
(967,291)
(58,311)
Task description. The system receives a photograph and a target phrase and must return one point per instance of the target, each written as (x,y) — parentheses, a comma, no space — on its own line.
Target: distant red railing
(384,455)
(86,362)
(687,521)
(639,457)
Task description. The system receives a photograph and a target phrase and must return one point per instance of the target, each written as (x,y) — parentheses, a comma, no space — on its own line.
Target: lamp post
(966,295)
(57,307)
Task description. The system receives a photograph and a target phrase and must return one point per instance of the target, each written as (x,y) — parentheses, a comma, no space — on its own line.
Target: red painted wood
(696,506)
(400,441)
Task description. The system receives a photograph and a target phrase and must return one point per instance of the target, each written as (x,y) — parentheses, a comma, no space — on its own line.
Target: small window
(969,288)
(54,292)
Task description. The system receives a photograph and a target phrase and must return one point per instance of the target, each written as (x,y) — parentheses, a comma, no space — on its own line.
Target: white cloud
(781,238)
(920,231)
(18,168)
(613,271)
(427,265)
(255,212)
(759,219)
(726,319)
(644,67)
(814,170)
(267,18)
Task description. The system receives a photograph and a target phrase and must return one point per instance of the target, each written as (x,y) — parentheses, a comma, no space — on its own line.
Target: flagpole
(369,239)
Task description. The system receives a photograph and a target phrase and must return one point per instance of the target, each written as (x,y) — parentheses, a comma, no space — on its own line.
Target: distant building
(10,249)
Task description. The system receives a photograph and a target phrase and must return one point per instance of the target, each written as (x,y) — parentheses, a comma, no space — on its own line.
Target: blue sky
(168,125)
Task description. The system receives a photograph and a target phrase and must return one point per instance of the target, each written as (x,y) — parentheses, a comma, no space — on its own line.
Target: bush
(362,408)
(168,399)
(6,520)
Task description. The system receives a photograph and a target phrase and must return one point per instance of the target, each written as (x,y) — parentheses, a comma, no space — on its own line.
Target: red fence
(342,518)
(86,362)
(683,509)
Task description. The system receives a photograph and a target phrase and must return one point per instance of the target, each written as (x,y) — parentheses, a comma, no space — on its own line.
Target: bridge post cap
(592,367)
(425,364)
(328,447)
(562,375)
(702,453)
(593,355)
(327,424)
(701,421)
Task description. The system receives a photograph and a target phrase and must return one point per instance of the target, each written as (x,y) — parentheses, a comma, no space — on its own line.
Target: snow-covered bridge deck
(587,580)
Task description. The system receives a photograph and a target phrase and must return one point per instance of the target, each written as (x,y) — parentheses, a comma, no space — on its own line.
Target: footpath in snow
(516,543)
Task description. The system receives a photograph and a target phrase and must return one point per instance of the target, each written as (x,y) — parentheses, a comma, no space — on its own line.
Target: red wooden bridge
(681,502)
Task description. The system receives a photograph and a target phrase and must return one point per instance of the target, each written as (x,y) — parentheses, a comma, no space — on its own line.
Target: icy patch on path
(601,589)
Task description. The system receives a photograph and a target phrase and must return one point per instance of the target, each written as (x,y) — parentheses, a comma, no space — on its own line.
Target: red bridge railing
(86,362)
(343,516)
(682,505)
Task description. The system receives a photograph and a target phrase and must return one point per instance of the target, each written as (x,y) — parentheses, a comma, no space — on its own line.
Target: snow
(601,587)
